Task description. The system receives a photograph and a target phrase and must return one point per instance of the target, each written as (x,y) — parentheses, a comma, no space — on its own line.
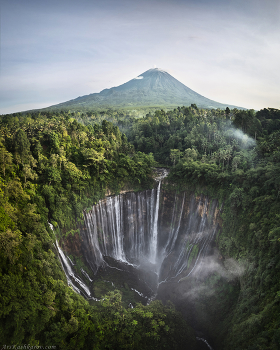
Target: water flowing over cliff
(163,238)
(161,233)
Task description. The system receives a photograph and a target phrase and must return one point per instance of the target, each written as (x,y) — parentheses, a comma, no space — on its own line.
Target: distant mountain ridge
(153,88)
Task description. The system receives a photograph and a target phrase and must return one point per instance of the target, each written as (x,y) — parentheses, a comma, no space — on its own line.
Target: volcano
(153,88)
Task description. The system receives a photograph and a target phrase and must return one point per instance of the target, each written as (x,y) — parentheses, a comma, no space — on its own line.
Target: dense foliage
(51,168)
(235,156)
(68,166)
(245,174)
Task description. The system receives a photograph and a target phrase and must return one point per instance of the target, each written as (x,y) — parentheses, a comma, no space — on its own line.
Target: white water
(70,261)
(139,293)
(70,275)
(124,227)
(168,240)
(85,274)
(154,240)
(205,341)
(136,229)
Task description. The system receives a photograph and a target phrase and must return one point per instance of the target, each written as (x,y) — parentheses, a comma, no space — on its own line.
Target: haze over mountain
(153,88)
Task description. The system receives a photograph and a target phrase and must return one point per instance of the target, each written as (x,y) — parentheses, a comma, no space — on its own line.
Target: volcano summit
(153,88)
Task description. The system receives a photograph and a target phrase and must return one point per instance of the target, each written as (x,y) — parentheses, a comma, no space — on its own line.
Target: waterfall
(174,231)
(93,253)
(124,227)
(205,341)
(164,234)
(154,238)
(71,276)
(198,236)
(72,279)
(141,229)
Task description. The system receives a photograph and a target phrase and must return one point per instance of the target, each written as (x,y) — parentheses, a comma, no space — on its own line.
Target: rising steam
(245,141)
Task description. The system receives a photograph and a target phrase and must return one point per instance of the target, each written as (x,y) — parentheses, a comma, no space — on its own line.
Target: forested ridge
(53,167)
(233,156)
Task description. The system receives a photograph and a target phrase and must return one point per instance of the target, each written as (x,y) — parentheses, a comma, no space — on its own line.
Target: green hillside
(53,167)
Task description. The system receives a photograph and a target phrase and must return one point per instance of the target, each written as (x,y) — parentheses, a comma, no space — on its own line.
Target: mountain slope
(153,88)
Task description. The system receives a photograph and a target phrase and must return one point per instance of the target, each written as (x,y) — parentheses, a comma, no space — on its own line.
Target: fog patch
(245,141)
(234,267)
(211,269)
(228,268)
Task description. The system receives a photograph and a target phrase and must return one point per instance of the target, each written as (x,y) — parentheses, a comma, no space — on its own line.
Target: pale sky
(56,50)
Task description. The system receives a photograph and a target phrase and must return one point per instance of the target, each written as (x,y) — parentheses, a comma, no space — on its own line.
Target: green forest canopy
(52,167)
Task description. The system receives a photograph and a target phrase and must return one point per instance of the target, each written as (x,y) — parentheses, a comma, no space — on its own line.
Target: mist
(245,141)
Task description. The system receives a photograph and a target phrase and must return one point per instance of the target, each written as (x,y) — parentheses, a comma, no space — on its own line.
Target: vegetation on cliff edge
(51,169)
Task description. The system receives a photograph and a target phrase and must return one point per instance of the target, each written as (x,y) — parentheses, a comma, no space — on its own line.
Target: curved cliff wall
(155,229)
(167,241)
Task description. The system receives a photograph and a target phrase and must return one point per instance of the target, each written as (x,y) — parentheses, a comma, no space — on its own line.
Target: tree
(6,160)
(227,112)
(92,157)
(72,172)
(54,175)
(194,106)
(223,156)
(175,155)
(235,162)
(228,154)
(54,158)
(54,141)
(21,144)
(28,173)
(190,154)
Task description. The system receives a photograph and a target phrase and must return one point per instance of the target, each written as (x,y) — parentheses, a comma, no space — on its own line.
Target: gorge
(165,238)
(124,244)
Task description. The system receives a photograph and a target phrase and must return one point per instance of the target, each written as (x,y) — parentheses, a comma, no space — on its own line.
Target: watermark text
(28,347)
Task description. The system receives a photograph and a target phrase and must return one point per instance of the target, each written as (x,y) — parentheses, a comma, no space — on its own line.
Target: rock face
(162,245)
(153,88)
(164,234)
(155,230)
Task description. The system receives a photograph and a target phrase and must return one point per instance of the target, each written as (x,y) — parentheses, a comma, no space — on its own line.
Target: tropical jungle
(54,165)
